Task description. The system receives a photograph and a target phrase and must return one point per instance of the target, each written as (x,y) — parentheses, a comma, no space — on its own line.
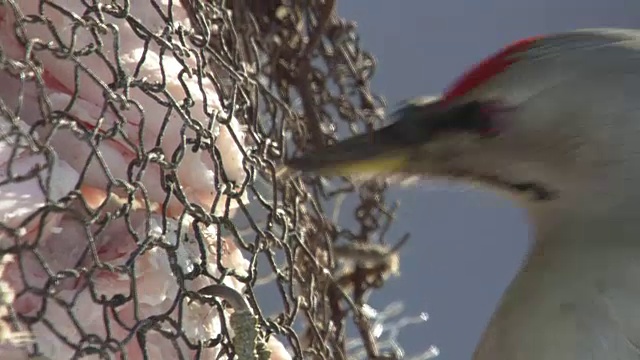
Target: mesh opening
(141,217)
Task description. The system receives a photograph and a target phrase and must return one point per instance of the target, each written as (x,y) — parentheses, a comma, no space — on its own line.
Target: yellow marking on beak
(381,164)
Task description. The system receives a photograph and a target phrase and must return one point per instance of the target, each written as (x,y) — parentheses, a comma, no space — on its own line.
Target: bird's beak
(387,150)
(364,154)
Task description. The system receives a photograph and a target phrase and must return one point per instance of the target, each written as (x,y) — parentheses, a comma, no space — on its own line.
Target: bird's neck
(576,296)
(614,198)
(584,245)
(582,251)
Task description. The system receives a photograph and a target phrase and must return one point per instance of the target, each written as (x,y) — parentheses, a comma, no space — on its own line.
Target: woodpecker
(552,122)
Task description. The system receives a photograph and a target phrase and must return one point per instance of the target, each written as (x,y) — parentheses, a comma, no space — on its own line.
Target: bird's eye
(420,124)
(473,117)
(487,117)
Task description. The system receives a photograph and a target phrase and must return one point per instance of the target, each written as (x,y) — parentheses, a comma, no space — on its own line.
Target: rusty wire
(294,74)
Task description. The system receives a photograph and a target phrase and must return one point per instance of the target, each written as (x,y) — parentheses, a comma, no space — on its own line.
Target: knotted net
(140,214)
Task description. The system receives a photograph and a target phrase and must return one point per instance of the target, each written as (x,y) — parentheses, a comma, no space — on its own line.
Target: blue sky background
(466,244)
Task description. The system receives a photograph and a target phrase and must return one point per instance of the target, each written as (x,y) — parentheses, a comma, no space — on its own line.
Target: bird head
(549,120)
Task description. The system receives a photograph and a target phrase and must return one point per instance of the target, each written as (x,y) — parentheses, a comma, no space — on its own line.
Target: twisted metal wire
(295,75)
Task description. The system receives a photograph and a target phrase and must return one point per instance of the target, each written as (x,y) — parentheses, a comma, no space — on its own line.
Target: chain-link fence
(140,214)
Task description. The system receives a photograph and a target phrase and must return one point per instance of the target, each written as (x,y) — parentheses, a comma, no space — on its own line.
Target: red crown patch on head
(487,68)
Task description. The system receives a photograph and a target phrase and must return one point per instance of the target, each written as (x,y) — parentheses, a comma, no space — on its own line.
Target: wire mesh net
(141,216)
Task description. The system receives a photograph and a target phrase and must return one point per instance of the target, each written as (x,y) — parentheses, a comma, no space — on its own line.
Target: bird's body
(555,123)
